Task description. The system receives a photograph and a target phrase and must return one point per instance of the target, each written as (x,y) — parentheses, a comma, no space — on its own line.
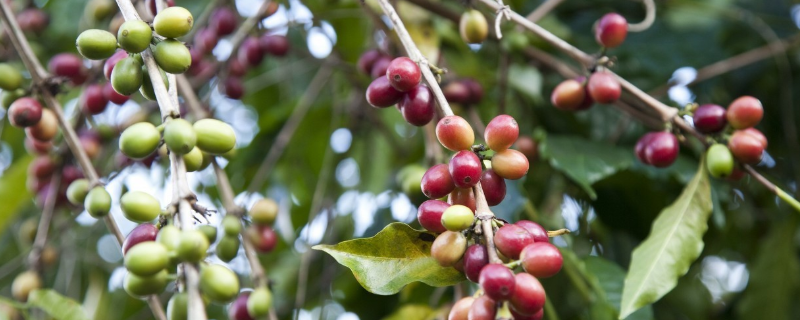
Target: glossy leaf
(396,256)
(57,306)
(675,241)
(609,277)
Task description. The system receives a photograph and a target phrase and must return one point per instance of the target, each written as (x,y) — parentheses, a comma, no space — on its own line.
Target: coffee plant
(242,160)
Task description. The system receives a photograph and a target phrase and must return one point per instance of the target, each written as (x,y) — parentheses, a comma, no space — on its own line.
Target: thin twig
(485,217)
(649,18)
(34,258)
(543,9)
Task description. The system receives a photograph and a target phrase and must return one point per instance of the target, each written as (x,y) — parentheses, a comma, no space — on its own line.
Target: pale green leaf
(13,193)
(411,312)
(526,79)
(396,256)
(57,306)
(610,277)
(675,241)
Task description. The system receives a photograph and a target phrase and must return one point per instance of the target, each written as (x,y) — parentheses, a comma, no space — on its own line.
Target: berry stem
(649,18)
(485,216)
(34,258)
(556,233)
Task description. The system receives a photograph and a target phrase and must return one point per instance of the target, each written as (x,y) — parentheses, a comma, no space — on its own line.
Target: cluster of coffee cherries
(401,86)
(473,26)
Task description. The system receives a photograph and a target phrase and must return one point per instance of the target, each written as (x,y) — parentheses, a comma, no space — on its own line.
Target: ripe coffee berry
(457,218)
(142,233)
(501,132)
(251,51)
(475,259)
(719,161)
(536,316)
(430,213)
(456,92)
(223,21)
(94,102)
(603,87)
(234,88)
(745,112)
(641,145)
(709,118)
(455,133)
(238,309)
(493,186)
(381,94)
(152,8)
(263,238)
(611,30)
(541,259)
(33,20)
(661,149)
(462,196)
(484,308)
(569,95)
(528,297)
(745,147)
(465,168)
(756,134)
(528,147)
(510,239)
(436,182)
(418,106)
(538,232)
(448,248)
(24,112)
(367,60)
(276,45)
(460,310)
(68,65)
(475,90)
(403,74)
(380,66)
(497,281)
(510,164)
(204,40)
(108,66)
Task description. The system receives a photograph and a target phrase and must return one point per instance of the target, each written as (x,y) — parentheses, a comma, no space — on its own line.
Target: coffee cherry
(719,161)
(146,258)
(569,95)
(380,66)
(455,133)
(24,284)
(153,8)
(94,102)
(214,136)
(263,212)
(464,197)
(24,112)
(381,94)
(510,164)
(234,88)
(134,36)
(448,248)
(238,308)
(611,30)
(437,182)
(475,259)
(460,310)
(661,149)
(745,112)
(108,65)
(501,132)
(178,306)
(208,231)
(465,169)
(528,147)
(142,233)
(8,97)
(709,118)
(169,236)
(193,161)
(259,302)
(139,206)
(251,51)
(231,225)
(641,145)
(140,286)
(67,65)
(276,45)
(98,202)
(746,147)
(457,218)
(223,21)
(603,88)
(228,248)
(430,213)
(173,22)
(127,76)
(96,44)
(510,239)
(497,281)
(179,136)
(475,90)
(367,60)
(263,238)
(77,191)
(403,74)
(41,167)
(473,26)
(139,140)
(538,232)
(147,90)
(113,96)
(541,259)
(90,144)
(484,308)
(172,56)
(33,20)
(456,92)
(192,246)
(10,77)
(218,283)
(493,186)
(46,129)
(418,106)
(755,133)
(205,41)
(529,296)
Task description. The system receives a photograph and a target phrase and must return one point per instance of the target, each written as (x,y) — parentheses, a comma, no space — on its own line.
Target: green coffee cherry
(173,22)
(193,160)
(147,90)
(259,302)
(192,246)
(214,136)
(209,231)
(24,283)
(178,306)
(179,136)
(231,225)
(473,26)
(10,77)
(139,140)
(8,97)
(219,283)
(140,286)
(719,161)
(127,76)
(457,218)
(169,236)
(138,206)
(228,248)
(134,36)
(264,212)
(77,191)
(98,202)
(96,44)
(172,56)
(146,258)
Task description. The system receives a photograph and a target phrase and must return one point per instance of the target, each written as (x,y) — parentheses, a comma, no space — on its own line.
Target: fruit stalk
(649,17)
(34,258)
(485,216)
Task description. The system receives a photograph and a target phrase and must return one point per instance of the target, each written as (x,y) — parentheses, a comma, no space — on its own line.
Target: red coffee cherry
(381,94)
(493,186)
(33,20)
(223,21)
(484,308)
(661,150)
(611,30)
(641,145)
(746,147)
(24,112)
(234,88)
(756,134)
(709,118)
(455,133)
(151,5)
(528,147)
(142,233)
(528,297)
(263,238)
(588,102)
(430,213)
(745,112)
(538,232)
(68,65)
(460,309)
(237,68)
(367,60)
(238,308)
(205,40)
(417,105)
(94,102)
(475,259)
(456,92)
(603,87)
(276,45)
(536,316)
(108,66)
(112,95)
(403,74)
(475,90)
(510,239)
(462,196)
(569,95)
(380,66)
(510,164)
(35,146)
(497,281)
(541,259)
(41,167)
(436,182)
(251,51)
(465,168)
(501,132)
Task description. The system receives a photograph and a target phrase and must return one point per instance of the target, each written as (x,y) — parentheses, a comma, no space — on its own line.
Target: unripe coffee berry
(139,140)
(47,127)
(497,281)
(455,133)
(77,191)
(719,161)
(173,22)
(448,248)
(169,236)
(231,225)
(96,44)
(510,164)
(259,302)
(228,248)
(179,136)
(139,206)
(193,161)
(611,30)
(98,202)
(501,132)
(127,76)
(473,26)
(745,112)
(172,56)
(10,77)
(192,246)
(209,231)
(178,306)
(569,95)
(146,258)
(403,74)
(457,218)
(264,212)
(214,136)
(218,283)
(24,284)
(140,286)
(134,36)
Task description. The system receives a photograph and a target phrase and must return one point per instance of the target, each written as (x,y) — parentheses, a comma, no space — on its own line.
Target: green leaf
(56,305)
(411,311)
(527,80)
(610,277)
(396,256)
(675,241)
(13,193)
(584,161)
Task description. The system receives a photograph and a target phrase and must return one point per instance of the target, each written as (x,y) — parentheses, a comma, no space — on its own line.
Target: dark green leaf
(56,305)
(610,277)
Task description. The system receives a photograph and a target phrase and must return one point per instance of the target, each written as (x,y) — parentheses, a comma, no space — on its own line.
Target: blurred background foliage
(347,154)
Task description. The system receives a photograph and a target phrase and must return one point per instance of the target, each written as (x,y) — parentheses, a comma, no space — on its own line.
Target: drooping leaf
(527,80)
(57,306)
(610,277)
(396,256)
(411,311)
(675,241)
(584,161)
(13,192)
